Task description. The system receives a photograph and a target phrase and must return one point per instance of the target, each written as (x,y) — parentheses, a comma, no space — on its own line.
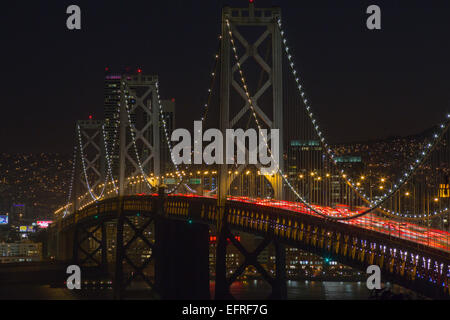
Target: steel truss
(122,257)
(278,283)
(90,241)
(91,169)
(139,105)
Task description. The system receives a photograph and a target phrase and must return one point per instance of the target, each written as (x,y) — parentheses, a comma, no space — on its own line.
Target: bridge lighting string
(414,167)
(166,134)
(203,118)
(445,129)
(253,111)
(90,189)
(134,140)
(401,181)
(332,155)
(375,204)
(69,195)
(213,76)
(108,159)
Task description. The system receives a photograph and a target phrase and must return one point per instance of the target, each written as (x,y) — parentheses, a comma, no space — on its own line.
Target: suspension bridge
(126,216)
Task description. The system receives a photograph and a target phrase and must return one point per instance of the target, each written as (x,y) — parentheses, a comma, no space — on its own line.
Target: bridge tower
(260,20)
(91,164)
(139,109)
(250,20)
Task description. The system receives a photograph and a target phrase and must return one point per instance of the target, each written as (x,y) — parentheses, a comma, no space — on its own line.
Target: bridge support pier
(75,245)
(118,270)
(66,248)
(223,283)
(182,260)
(90,241)
(222,287)
(279,288)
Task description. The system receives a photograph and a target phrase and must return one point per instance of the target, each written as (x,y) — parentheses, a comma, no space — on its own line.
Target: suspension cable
(329,152)
(132,133)
(375,204)
(108,158)
(91,192)
(69,194)
(213,76)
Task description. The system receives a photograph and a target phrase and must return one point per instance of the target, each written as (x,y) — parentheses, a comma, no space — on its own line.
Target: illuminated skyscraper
(18,213)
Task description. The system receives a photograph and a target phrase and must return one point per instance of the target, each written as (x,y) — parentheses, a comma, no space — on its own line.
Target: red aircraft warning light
(90,117)
(139,70)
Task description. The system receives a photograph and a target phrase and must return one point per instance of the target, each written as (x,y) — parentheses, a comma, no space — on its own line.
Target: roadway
(434,238)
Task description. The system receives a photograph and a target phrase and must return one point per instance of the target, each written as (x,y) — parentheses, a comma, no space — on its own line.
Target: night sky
(362,84)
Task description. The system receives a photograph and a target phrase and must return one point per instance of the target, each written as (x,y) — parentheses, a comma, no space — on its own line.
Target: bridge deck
(413,255)
(434,238)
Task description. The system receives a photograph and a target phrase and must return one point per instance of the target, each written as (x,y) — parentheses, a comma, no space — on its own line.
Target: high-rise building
(18,213)
(304,156)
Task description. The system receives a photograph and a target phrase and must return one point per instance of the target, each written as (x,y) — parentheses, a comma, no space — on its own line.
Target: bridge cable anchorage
(375,204)
(213,75)
(332,156)
(108,159)
(90,189)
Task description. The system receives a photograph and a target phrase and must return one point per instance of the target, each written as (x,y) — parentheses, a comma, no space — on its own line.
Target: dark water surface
(248,290)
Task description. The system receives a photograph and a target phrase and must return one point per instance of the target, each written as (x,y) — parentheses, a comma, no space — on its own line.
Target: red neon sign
(43,224)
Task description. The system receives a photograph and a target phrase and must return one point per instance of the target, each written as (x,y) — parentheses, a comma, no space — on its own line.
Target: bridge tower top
(251,16)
